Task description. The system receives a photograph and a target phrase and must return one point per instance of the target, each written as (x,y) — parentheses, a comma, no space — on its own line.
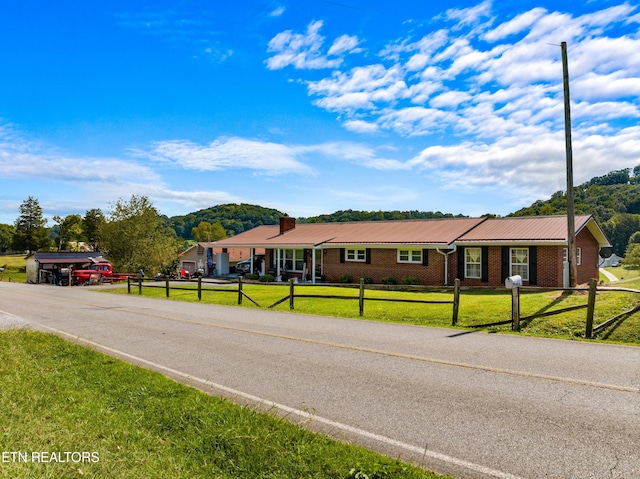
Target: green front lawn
(477,307)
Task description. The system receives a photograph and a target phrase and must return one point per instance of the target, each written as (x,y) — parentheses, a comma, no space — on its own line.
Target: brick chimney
(287,223)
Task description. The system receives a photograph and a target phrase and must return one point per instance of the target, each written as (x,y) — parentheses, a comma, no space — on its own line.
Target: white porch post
(252,253)
(313,265)
(278,262)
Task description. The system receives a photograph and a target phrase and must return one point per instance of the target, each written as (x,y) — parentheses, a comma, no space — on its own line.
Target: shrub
(267,278)
(346,278)
(252,276)
(367,279)
(389,280)
(410,280)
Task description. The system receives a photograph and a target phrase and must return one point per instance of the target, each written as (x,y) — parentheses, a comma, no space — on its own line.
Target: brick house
(478,251)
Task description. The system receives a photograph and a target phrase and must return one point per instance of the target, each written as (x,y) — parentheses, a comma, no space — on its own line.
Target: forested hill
(613,200)
(234,218)
(351,215)
(603,197)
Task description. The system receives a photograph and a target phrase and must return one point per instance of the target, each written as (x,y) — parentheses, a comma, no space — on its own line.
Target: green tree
(69,229)
(6,236)
(205,231)
(136,237)
(632,256)
(31,231)
(91,223)
(619,229)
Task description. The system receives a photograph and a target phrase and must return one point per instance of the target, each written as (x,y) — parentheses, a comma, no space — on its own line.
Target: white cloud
(229,153)
(344,44)
(277,12)
(21,158)
(360,126)
(304,51)
(517,25)
(469,16)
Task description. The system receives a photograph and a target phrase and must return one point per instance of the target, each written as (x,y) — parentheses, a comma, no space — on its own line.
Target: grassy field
(477,307)
(15,268)
(58,397)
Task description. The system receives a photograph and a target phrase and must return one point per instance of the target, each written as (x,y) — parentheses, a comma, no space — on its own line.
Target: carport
(55,268)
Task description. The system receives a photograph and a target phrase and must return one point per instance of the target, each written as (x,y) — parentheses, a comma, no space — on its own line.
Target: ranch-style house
(478,251)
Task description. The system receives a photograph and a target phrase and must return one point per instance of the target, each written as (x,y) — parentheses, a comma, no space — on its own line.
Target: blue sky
(311,106)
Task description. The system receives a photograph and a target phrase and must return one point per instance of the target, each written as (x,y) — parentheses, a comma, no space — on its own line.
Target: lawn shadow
(557,301)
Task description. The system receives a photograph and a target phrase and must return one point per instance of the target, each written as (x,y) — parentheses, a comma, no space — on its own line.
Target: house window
(472,262)
(293,260)
(578,256)
(520,262)
(409,256)
(356,255)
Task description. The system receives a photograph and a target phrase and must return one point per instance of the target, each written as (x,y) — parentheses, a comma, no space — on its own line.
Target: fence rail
(515,320)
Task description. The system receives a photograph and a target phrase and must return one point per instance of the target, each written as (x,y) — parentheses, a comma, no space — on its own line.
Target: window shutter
(425,257)
(505,262)
(461,263)
(484,265)
(342,255)
(367,256)
(533,265)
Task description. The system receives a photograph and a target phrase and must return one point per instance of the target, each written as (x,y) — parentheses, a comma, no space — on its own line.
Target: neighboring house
(613,260)
(478,251)
(203,256)
(50,267)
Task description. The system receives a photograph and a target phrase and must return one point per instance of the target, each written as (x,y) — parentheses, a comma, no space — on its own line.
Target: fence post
(140,284)
(515,309)
(128,284)
(166,286)
(591,306)
(456,301)
(361,297)
(199,288)
(291,293)
(239,289)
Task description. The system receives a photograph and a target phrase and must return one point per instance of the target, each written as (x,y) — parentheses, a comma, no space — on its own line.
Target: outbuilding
(55,268)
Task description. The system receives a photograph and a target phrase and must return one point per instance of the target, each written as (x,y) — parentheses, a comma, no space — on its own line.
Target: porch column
(313,265)
(252,253)
(278,262)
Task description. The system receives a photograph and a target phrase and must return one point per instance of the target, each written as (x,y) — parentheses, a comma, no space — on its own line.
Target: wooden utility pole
(571,225)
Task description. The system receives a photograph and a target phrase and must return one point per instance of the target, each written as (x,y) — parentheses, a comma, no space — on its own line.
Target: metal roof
(530,230)
(436,232)
(423,233)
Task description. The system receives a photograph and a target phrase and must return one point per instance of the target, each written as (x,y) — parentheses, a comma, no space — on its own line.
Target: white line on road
(303,414)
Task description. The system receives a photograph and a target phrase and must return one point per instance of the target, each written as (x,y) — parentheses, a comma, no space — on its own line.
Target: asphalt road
(472,405)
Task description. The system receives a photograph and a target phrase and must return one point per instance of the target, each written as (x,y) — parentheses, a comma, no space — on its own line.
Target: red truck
(97,273)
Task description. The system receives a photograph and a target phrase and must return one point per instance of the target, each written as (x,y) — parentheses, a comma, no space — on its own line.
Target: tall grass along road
(461,403)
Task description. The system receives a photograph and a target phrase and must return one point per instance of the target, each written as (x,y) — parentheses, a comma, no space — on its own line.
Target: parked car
(244,266)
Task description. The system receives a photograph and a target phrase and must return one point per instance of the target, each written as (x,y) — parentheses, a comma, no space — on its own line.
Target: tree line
(134,236)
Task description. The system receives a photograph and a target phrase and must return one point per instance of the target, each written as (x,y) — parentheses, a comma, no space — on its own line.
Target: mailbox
(513,281)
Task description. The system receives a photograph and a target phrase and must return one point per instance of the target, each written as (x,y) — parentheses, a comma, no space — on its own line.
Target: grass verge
(59,397)
(477,307)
